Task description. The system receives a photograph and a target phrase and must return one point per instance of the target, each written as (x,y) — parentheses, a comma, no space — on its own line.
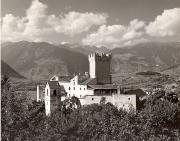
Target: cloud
(166,24)
(37,25)
(75,22)
(117,35)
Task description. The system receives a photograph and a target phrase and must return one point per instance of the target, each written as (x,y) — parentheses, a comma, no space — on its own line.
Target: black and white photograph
(90,70)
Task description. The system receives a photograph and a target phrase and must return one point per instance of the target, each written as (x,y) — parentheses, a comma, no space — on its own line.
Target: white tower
(92,65)
(37,94)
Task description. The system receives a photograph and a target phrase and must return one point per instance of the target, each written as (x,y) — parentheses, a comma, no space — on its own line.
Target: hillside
(172,70)
(42,60)
(8,71)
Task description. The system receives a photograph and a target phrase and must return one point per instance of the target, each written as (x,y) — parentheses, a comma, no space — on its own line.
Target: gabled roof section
(63,92)
(82,78)
(65,78)
(138,92)
(90,81)
(106,86)
(54,84)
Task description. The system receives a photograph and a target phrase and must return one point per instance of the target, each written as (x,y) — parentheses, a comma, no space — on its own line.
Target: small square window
(92,98)
(128,98)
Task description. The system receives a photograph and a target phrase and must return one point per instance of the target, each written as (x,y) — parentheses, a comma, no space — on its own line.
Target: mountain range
(42,60)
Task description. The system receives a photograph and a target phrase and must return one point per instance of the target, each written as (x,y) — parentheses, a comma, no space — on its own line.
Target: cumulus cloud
(37,25)
(166,24)
(117,35)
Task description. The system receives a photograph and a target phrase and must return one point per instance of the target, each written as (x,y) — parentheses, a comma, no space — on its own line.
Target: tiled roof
(65,78)
(54,84)
(82,78)
(89,81)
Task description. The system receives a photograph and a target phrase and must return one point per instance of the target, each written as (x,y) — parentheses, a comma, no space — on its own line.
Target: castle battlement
(99,57)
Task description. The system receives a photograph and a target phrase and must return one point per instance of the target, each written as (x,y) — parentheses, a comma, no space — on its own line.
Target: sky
(110,23)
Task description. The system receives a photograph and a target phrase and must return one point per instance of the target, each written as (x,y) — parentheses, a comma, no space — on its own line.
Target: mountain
(8,71)
(42,60)
(86,50)
(154,56)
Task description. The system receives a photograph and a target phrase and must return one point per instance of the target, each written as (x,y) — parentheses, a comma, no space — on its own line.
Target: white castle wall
(74,89)
(119,100)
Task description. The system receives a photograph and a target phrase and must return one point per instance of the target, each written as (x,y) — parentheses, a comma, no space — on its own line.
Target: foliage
(19,120)
(157,120)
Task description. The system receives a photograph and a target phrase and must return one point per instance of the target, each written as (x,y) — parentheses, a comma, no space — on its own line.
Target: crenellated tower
(99,67)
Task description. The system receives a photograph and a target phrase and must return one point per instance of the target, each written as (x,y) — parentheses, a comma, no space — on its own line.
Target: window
(80,96)
(74,88)
(92,99)
(47,92)
(74,83)
(69,88)
(84,89)
(54,93)
(80,88)
(128,98)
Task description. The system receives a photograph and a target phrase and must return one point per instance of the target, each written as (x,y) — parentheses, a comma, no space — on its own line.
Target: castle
(88,88)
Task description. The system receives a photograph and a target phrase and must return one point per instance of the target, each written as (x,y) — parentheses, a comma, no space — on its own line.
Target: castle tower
(99,67)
